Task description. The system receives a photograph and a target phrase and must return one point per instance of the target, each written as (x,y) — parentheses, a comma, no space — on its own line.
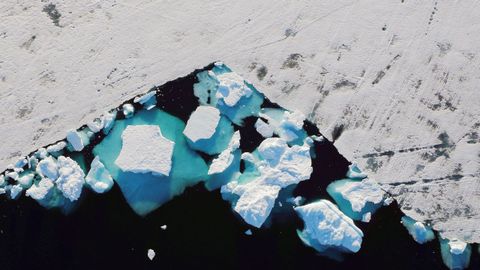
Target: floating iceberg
(455,253)
(226,166)
(357,198)
(144,149)
(327,227)
(273,166)
(419,231)
(151,254)
(98,178)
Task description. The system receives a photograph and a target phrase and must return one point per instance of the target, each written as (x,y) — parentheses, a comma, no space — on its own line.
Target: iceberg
(77,140)
(419,231)
(455,253)
(273,166)
(226,166)
(145,150)
(98,178)
(70,178)
(356,198)
(327,227)
(151,254)
(148,100)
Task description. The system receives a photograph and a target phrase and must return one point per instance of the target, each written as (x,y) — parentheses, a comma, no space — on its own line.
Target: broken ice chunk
(455,253)
(12,175)
(77,139)
(148,100)
(354,172)
(296,201)
(248,232)
(145,150)
(21,163)
(226,166)
(48,168)
(232,88)
(367,217)
(108,120)
(2,180)
(15,191)
(164,227)
(40,190)
(56,148)
(202,123)
(327,227)
(264,128)
(207,131)
(41,153)
(356,198)
(420,233)
(273,166)
(26,179)
(128,110)
(288,125)
(151,254)
(98,178)
(70,178)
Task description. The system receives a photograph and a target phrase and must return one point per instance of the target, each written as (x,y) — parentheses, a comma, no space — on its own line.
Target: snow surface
(145,150)
(392,98)
(202,123)
(326,227)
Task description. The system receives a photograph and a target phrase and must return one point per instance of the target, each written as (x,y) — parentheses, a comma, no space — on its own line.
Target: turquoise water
(145,192)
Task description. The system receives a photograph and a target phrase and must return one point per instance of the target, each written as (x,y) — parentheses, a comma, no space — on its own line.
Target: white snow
(202,123)
(281,166)
(98,178)
(327,226)
(231,88)
(145,150)
(48,168)
(40,190)
(76,139)
(264,128)
(70,178)
(151,254)
(225,158)
(128,110)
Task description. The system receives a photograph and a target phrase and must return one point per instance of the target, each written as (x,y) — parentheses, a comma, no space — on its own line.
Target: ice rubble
(273,166)
(145,150)
(357,198)
(327,227)
(419,231)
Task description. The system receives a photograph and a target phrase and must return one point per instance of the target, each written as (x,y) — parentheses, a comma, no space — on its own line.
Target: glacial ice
(98,178)
(327,227)
(419,231)
(273,166)
(226,165)
(455,253)
(356,198)
(146,192)
(207,131)
(145,149)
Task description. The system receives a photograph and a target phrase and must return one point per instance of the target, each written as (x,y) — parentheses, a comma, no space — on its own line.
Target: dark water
(203,232)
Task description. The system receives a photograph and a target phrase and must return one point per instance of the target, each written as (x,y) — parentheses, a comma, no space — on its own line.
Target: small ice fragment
(164,227)
(145,150)
(15,191)
(108,120)
(248,232)
(12,175)
(21,163)
(128,110)
(40,190)
(297,201)
(56,147)
(280,204)
(26,180)
(354,172)
(420,233)
(388,201)
(151,254)
(2,191)
(367,217)
(70,179)
(148,100)
(77,140)
(98,178)
(48,168)
(96,125)
(223,161)
(263,128)
(41,153)
(2,180)
(202,123)
(327,227)
(455,253)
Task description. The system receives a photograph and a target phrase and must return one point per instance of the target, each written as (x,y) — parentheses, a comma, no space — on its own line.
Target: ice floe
(98,178)
(145,150)
(327,227)
(419,231)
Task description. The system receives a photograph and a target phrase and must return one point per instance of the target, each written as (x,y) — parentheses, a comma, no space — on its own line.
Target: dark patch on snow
(53,13)
(292,61)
